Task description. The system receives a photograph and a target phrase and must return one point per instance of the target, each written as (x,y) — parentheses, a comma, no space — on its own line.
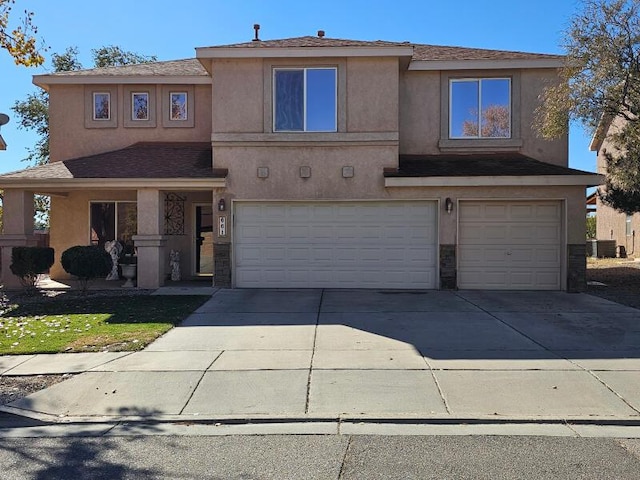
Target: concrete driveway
(305,354)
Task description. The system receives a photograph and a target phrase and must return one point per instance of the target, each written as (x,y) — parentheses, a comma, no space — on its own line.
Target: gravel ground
(621,279)
(14,388)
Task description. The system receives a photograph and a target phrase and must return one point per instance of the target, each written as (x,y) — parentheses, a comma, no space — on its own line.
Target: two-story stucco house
(314,162)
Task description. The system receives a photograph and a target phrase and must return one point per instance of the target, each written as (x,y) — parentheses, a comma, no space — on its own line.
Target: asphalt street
(320,457)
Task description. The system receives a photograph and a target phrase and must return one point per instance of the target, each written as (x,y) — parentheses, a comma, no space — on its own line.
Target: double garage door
(501,245)
(335,244)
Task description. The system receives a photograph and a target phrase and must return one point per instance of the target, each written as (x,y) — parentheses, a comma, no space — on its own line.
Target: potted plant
(129,267)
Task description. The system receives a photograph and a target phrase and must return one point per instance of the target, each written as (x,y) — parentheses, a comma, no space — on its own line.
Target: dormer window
(480,108)
(305,99)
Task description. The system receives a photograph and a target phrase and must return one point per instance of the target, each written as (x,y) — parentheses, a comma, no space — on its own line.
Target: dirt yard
(621,279)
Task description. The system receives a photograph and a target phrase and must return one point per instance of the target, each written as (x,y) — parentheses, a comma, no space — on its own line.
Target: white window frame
(133,107)
(628,226)
(186,106)
(95,119)
(304,100)
(479,80)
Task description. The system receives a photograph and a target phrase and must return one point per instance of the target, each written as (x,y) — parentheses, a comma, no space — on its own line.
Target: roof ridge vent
(320,33)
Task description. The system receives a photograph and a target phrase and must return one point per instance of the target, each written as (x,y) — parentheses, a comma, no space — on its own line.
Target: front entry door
(204,240)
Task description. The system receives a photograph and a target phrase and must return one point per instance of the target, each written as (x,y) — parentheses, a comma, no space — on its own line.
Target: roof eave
(304,52)
(600,133)
(63,184)
(486,64)
(487,181)
(44,81)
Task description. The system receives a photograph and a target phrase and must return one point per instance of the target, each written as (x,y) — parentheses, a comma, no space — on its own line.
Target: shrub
(591,227)
(86,263)
(27,263)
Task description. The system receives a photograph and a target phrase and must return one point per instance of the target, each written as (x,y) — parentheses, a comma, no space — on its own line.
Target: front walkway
(201,286)
(356,355)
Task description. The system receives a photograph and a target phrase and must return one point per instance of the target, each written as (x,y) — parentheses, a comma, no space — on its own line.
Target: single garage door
(335,244)
(510,245)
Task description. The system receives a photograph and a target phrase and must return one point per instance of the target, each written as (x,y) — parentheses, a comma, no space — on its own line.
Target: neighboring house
(612,224)
(314,162)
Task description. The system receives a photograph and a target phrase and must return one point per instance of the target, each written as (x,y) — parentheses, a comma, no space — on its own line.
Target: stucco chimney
(256,27)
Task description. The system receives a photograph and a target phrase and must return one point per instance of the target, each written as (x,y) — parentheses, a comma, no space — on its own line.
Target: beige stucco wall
(70,139)
(326,163)
(372,94)
(423,121)
(70,225)
(573,197)
(367,93)
(238,96)
(420,113)
(612,225)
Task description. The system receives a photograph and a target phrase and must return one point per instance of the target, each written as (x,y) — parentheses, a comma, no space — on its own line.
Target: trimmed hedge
(86,263)
(29,262)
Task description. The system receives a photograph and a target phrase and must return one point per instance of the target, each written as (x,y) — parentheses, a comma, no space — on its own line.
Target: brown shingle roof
(192,67)
(436,52)
(420,51)
(140,160)
(496,165)
(310,41)
(186,67)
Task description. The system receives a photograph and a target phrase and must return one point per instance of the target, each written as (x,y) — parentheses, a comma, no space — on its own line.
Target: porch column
(18,230)
(150,240)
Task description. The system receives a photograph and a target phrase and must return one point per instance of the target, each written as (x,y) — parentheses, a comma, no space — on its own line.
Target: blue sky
(174,29)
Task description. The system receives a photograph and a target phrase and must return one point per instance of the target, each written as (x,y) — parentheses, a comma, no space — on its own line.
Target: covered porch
(151,198)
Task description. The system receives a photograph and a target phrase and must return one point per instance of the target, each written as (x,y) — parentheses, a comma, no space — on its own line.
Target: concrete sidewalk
(362,356)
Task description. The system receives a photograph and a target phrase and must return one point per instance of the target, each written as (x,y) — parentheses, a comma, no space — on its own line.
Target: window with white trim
(480,108)
(113,221)
(178,104)
(628,226)
(305,99)
(139,106)
(101,106)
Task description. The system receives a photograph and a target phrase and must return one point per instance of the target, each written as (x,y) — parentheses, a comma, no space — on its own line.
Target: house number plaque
(222,226)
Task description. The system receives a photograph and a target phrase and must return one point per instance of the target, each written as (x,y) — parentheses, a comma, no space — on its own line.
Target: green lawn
(93,323)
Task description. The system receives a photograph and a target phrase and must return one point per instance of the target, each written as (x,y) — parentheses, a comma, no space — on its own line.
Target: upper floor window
(102,106)
(139,106)
(178,105)
(480,108)
(305,99)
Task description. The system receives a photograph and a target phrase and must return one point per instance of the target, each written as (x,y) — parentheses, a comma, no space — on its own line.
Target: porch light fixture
(222,205)
(448,204)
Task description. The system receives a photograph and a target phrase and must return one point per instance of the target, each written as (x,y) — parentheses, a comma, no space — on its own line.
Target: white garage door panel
(510,245)
(337,245)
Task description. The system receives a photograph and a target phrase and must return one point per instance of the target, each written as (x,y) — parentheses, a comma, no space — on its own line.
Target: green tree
(110,56)
(591,227)
(20,40)
(601,85)
(33,112)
